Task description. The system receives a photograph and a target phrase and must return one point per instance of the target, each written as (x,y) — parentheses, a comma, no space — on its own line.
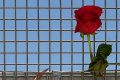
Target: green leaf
(104,50)
(82,35)
(100,62)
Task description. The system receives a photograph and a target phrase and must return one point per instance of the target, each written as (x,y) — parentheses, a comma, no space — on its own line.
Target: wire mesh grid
(36,34)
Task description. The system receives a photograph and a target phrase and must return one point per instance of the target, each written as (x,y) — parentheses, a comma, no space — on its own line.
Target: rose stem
(90,48)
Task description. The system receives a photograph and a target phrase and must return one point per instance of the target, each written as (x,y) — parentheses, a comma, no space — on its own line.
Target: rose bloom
(88,19)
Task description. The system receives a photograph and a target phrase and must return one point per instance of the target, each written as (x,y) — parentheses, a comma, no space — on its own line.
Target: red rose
(88,19)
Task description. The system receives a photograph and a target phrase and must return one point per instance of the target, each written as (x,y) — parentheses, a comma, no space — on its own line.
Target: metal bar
(94,35)
(116,41)
(60,36)
(60,1)
(51,52)
(4,74)
(105,22)
(49,37)
(62,64)
(112,19)
(15,43)
(94,42)
(26,75)
(38,36)
(52,30)
(71,40)
(83,51)
(57,41)
(47,8)
(105,29)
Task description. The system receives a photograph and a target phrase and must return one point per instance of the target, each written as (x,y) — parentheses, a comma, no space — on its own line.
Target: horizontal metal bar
(51,52)
(50,30)
(59,64)
(53,19)
(77,74)
(56,41)
(44,64)
(47,8)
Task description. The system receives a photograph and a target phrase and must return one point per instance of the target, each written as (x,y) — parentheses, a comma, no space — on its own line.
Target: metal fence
(40,32)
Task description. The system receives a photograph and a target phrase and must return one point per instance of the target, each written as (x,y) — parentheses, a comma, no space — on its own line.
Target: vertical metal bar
(71,39)
(61,38)
(27,39)
(105,28)
(116,39)
(94,35)
(38,36)
(94,42)
(4,74)
(105,22)
(49,38)
(60,35)
(15,43)
(83,51)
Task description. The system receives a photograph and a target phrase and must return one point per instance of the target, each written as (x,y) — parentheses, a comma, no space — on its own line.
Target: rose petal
(88,27)
(88,19)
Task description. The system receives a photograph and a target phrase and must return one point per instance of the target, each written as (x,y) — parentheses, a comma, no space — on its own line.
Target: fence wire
(37,34)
